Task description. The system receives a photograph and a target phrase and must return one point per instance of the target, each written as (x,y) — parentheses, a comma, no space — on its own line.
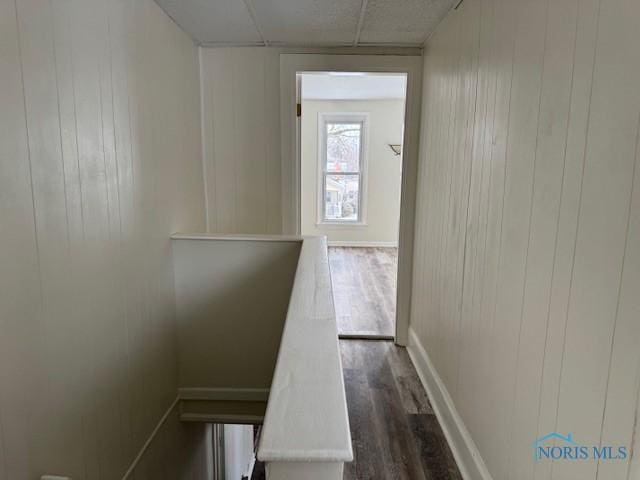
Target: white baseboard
(350,243)
(465,451)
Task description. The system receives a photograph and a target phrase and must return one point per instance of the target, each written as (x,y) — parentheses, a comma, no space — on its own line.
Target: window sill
(342,224)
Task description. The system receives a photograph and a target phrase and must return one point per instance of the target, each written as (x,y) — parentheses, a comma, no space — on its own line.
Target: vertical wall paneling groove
(205,141)
(474,199)
(241,138)
(624,365)
(506,16)
(123,171)
(633,469)
(602,224)
(451,135)
(78,427)
(522,302)
(583,60)
(548,176)
(519,184)
(272,141)
(17,222)
(248,88)
(100,162)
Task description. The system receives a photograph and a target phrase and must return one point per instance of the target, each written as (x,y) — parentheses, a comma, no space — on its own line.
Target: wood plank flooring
(364,289)
(395,433)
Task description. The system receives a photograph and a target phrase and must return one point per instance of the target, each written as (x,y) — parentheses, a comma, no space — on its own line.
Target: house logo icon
(557,446)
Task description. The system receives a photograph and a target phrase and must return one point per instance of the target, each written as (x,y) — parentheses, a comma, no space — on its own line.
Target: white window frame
(347,117)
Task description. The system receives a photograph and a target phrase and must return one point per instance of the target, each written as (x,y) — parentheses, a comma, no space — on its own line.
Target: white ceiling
(308,22)
(324,86)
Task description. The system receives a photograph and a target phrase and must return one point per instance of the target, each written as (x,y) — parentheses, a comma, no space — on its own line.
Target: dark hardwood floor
(364,289)
(394,431)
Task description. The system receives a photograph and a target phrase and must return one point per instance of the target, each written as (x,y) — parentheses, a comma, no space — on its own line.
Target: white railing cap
(306,418)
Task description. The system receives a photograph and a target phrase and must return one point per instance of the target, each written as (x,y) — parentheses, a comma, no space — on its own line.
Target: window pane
(343,147)
(341,197)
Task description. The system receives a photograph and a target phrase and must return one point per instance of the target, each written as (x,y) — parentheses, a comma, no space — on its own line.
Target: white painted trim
(316,98)
(229,419)
(465,451)
(305,470)
(221,394)
(351,61)
(234,237)
(150,438)
(222,44)
(252,465)
(341,225)
(355,243)
(337,48)
(225,394)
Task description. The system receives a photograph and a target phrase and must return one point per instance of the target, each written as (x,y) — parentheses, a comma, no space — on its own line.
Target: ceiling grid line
(254,18)
(356,24)
(430,33)
(363,10)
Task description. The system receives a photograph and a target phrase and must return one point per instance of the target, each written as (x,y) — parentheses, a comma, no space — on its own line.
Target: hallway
(364,289)
(226,212)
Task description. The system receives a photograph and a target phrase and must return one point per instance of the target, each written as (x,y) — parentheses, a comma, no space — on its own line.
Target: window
(342,155)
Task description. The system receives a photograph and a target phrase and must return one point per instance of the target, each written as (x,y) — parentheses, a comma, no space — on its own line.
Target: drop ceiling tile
(322,22)
(402,22)
(213,21)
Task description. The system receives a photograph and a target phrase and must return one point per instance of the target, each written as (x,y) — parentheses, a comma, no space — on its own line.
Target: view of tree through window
(342,171)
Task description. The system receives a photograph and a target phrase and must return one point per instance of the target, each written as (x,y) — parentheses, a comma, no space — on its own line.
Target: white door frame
(290,65)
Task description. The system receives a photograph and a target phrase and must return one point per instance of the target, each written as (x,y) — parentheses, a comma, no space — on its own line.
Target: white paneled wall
(99,164)
(527,257)
(241,139)
(236,292)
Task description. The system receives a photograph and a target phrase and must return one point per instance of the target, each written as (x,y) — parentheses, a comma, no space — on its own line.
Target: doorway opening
(351,130)
(233,450)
